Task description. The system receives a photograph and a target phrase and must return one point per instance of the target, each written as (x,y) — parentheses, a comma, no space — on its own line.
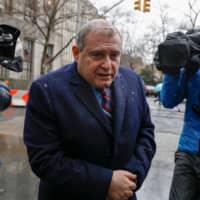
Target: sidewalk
(157,184)
(168,125)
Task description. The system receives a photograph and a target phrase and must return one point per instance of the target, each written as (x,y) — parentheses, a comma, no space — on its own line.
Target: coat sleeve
(140,161)
(145,146)
(47,159)
(173,90)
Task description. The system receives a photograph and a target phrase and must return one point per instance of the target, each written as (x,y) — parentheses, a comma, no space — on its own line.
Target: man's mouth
(104,75)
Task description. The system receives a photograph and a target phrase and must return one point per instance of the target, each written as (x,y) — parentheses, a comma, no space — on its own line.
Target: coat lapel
(84,93)
(120,95)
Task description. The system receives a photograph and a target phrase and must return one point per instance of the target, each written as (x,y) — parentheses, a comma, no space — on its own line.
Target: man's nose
(107,63)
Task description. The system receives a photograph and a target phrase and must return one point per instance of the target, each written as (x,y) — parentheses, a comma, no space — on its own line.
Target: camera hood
(179,50)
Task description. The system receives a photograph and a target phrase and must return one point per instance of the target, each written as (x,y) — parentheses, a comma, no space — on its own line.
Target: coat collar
(84,93)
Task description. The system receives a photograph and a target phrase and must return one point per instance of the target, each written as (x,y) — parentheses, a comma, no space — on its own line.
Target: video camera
(11,52)
(179,50)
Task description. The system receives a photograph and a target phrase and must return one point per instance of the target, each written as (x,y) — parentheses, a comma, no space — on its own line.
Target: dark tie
(106,101)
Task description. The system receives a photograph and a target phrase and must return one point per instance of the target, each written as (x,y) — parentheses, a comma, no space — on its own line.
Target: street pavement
(18,182)
(168,124)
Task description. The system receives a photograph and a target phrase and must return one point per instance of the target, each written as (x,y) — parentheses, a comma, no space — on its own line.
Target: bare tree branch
(112,7)
(61,50)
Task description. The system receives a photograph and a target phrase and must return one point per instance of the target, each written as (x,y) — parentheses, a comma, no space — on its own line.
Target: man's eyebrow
(102,50)
(96,51)
(115,51)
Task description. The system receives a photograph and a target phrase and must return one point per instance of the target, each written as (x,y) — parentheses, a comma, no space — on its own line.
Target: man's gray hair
(96,25)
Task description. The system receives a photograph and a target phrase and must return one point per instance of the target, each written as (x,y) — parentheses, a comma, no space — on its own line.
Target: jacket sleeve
(141,158)
(5,97)
(173,90)
(140,161)
(47,159)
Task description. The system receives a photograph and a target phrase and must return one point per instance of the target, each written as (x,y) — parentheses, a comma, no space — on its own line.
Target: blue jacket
(174,90)
(71,144)
(5,97)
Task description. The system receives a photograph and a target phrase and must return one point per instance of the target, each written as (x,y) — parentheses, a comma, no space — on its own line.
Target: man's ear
(75,52)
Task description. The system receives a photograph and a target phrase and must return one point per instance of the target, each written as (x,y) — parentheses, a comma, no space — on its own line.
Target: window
(32,4)
(28,59)
(31,7)
(9,6)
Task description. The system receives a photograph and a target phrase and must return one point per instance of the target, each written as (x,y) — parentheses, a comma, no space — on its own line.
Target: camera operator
(5,97)
(181,83)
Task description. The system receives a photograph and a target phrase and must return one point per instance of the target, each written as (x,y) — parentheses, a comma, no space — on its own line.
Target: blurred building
(35,18)
(133,62)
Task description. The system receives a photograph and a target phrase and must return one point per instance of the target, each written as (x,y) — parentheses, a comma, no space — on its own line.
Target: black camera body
(179,50)
(9,59)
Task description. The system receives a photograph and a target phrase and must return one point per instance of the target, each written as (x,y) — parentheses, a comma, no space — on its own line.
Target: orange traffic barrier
(13,92)
(19,97)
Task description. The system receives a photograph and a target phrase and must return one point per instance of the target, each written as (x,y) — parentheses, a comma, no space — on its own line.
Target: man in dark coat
(82,144)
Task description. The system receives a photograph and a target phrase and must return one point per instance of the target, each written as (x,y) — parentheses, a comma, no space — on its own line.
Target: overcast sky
(176,10)
(175,5)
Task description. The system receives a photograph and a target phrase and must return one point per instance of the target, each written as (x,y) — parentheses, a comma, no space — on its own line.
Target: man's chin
(104,84)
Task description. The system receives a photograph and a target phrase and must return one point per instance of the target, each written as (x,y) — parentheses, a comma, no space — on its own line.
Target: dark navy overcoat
(73,146)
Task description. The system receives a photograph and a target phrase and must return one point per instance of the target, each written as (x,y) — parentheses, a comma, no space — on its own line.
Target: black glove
(165,69)
(193,65)
(173,53)
(14,64)
(196,109)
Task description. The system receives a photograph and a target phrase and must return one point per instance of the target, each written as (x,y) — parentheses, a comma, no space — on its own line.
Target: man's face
(98,62)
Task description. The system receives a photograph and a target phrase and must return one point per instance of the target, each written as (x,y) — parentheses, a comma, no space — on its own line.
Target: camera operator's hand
(165,69)
(5,97)
(194,64)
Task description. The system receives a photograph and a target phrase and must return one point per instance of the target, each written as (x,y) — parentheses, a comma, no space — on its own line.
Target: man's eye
(115,55)
(97,55)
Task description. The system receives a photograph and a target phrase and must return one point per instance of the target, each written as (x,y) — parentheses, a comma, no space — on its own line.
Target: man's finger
(131,176)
